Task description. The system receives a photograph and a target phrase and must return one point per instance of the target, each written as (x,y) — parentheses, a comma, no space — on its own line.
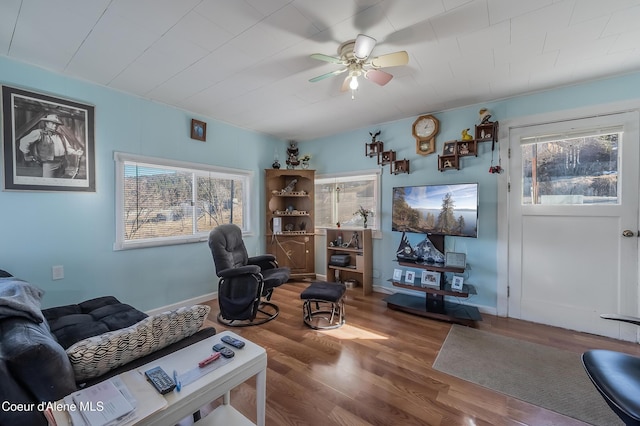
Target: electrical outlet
(57,272)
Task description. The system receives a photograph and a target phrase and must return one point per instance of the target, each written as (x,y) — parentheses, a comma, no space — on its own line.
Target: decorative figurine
(405,251)
(305,161)
(466,136)
(291,185)
(485,116)
(292,155)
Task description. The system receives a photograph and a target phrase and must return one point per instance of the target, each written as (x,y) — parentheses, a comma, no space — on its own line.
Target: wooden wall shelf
(374,149)
(453,150)
(448,162)
(399,166)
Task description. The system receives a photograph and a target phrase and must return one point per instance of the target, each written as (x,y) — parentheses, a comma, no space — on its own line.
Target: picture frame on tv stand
(410,277)
(430,279)
(397,274)
(457,282)
(455,260)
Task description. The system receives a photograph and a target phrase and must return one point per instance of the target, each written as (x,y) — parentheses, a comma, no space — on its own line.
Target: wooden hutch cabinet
(290,226)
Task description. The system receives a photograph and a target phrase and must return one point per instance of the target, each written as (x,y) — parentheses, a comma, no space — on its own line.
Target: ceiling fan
(354,56)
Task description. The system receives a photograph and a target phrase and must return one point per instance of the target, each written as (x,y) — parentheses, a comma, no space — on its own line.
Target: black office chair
(616,375)
(246,283)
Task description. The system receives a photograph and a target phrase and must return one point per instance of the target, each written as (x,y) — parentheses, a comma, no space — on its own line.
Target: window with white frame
(164,202)
(577,167)
(338,197)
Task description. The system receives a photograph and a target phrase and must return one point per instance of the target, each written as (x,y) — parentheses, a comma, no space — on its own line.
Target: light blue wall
(77,230)
(345,152)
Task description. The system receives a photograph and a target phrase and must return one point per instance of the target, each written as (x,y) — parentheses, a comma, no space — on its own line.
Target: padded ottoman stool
(323,306)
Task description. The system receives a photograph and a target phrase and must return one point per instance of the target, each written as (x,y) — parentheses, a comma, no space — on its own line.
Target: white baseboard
(188,302)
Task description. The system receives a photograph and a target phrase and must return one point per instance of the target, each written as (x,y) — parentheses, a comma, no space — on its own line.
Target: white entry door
(573,223)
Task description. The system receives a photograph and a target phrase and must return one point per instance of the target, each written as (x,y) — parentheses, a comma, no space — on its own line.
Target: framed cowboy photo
(48,142)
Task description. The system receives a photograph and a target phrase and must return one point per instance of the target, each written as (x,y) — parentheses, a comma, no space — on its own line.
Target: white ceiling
(246,62)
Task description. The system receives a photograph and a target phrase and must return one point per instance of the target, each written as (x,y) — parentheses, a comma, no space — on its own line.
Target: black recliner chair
(246,283)
(616,375)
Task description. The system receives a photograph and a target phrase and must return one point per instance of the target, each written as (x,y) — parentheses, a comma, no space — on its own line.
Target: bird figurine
(485,116)
(466,136)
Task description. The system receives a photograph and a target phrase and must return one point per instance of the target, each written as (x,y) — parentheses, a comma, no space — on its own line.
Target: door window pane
(578,170)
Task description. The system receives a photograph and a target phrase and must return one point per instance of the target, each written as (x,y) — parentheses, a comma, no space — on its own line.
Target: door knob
(628,233)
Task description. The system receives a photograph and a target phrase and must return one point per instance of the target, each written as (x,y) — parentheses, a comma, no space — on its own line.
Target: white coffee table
(154,409)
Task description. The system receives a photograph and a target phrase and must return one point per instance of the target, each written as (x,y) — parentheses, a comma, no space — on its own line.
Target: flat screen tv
(447,209)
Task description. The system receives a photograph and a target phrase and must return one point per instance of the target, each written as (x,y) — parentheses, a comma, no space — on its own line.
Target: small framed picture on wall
(198,130)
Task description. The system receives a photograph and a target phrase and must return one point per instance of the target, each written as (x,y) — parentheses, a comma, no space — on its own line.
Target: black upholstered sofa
(35,365)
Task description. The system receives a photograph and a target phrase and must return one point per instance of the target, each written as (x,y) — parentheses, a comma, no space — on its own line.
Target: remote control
(160,380)
(224,351)
(209,360)
(233,342)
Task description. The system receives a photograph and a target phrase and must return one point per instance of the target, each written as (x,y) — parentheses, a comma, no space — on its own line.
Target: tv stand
(433,305)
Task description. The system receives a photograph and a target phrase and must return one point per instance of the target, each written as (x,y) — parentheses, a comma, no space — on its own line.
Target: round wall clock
(424,131)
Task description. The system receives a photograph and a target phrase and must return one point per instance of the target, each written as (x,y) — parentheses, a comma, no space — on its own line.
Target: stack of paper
(102,404)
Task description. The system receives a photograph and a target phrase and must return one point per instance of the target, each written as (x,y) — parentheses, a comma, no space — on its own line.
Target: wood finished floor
(377,368)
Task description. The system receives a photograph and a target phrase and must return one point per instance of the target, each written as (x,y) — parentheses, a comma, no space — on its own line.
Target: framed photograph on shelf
(397,274)
(410,277)
(48,142)
(455,260)
(456,282)
(430,279)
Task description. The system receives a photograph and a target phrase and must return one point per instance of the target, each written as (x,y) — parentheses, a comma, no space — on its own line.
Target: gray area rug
(537,374)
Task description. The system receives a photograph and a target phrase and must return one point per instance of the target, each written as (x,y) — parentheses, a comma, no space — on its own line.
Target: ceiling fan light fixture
(363,47)
(354,56)
(353,84)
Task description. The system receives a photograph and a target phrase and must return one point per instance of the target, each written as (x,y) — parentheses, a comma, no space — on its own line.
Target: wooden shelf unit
(294,244)
(361,264)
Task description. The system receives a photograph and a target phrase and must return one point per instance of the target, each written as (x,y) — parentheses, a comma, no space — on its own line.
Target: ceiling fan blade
(327,58)
(345,84)
(327,75)
(378,77)
(391,60)
(363,47)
